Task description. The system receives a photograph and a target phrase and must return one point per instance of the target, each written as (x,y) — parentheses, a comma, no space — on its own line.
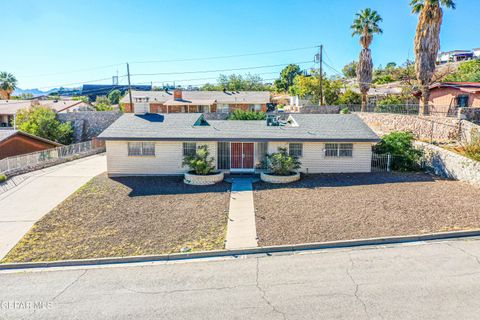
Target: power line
(195,79)
(223,57)
(73,71)
(219,70)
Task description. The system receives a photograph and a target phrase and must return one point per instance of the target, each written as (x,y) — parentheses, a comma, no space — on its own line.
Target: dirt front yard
(129,216)
(329,207)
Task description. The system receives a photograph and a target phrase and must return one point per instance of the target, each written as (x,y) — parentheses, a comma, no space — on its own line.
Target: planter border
(246,251)
(202,180)
(272,178)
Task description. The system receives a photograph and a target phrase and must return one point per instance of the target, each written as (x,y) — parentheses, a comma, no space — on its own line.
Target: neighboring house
(155,144)
(456,55)
(179,101)
(447,97)
(8,108)
(14,143)
(94,90)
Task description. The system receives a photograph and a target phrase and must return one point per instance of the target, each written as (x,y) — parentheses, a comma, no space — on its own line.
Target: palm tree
(8,83)
(365,25)
(427,43)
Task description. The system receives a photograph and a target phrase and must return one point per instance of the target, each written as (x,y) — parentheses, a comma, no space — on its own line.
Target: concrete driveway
(23,205)
(433,280)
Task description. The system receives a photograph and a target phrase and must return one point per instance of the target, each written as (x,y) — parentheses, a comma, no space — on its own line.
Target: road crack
(357,286)
(264,294)
(477,259)
(70,285)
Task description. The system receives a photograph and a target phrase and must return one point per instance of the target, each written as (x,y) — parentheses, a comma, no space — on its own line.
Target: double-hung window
(342,150)
(295,149)
(189,148)
(141,149)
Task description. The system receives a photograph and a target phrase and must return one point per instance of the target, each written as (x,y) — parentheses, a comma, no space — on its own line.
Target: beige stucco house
(155,144)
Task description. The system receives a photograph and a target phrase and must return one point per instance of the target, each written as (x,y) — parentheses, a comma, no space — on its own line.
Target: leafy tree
(281,163)
(114,96)
(81,98)
(400,145)
(391,66)
(350,97)
(234,82)
(468,71)
(309,87)
(8,83)
(365,24)
(102,103)
(427,42)
(23,96)
(200,163)
(350,70)
(42,121)
(287,77)
(247,115)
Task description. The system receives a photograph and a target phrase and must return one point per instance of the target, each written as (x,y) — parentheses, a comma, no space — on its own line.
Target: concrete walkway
(241,230)
(23,205)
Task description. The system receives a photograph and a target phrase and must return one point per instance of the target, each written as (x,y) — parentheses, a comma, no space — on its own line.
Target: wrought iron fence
(409,109)
(386,162)
(40,158)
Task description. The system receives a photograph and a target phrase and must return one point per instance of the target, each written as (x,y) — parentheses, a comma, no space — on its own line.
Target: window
(295,149)
(141,148)
(223,155)
(189,148)
(462,101)
(223,108)
(338,150)
(258,107)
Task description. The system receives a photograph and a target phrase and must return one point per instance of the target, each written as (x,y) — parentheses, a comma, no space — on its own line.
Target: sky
(66,43)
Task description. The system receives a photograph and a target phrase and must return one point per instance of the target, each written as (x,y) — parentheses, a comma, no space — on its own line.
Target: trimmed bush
(200,163)
(3,177)
(247,115)
(400,145)
(281,163)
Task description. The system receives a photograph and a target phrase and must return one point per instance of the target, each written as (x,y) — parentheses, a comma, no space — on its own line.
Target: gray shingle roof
(180,126)
(250,97)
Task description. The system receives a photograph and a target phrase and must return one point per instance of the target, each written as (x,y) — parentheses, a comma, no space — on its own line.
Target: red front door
(242,155)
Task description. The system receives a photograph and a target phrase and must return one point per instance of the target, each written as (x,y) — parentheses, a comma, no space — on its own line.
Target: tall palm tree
(8,83)
(365,25)
(427,43)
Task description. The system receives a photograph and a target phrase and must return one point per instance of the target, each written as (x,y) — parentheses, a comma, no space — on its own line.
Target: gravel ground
(129,216)
(329,207)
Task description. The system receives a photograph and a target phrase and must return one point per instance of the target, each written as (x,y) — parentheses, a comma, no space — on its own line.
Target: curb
(246,251)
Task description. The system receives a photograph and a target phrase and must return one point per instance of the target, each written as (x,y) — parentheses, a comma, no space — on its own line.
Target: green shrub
(200,163)
(472,149)
(3,177)
(345,111)
(400,145)
(247,115)
(281,163)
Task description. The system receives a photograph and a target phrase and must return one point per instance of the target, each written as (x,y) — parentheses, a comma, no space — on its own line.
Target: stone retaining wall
(449,164)
(423,127)
(89,124)
(470,114)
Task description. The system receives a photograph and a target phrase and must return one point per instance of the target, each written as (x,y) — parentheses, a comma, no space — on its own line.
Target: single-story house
(92,91)
(15,143)
(8,108)
(178,101)
(155,144)
(447,97)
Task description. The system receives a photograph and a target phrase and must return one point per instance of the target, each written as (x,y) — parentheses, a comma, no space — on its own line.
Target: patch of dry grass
(328,207)
(126,217)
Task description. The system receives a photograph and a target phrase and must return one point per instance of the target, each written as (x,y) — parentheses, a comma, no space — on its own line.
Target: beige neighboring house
(180,101)
(155,144)
(8,108)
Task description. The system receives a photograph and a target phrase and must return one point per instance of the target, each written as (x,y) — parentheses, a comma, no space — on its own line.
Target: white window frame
(223,108)
(338,150)
(143,149)
(292,151)
(188,146)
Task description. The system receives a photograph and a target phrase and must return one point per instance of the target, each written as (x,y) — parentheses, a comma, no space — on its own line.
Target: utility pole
(320,61)
(129,87)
